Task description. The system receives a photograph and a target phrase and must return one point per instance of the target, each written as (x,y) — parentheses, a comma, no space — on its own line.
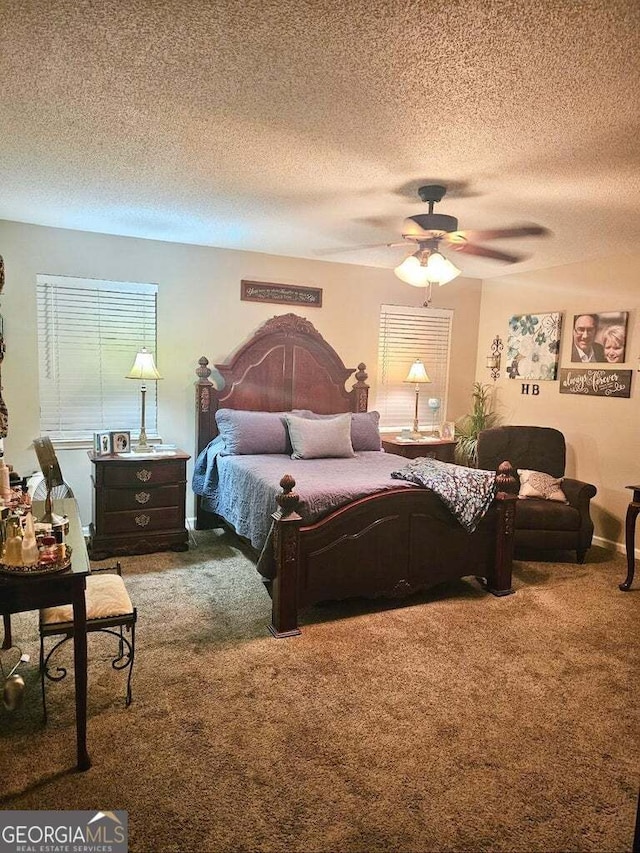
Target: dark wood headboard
(286,365)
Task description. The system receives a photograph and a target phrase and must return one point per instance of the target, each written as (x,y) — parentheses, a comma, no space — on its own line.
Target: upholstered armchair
(542,523)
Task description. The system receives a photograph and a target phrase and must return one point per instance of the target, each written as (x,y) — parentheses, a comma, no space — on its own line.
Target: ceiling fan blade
(496,233)
(345,249)
(483,252)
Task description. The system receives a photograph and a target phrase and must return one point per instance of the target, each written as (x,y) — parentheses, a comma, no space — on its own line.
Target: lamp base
(415,435)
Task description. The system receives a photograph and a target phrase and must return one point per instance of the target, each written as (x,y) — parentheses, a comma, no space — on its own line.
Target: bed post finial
(361,389)
(506,480)
(287,500)
(203,372)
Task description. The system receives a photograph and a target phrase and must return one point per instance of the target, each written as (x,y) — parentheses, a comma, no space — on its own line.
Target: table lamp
(418,375)
(143,369)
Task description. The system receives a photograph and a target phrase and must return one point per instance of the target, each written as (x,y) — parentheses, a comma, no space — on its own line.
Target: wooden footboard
(389,544)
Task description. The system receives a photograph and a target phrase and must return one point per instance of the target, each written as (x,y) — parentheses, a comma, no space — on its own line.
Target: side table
(21,593)
(632,515)
(138,503)
(441,448)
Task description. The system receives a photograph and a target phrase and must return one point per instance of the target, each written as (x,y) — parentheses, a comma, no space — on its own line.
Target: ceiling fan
(429,230)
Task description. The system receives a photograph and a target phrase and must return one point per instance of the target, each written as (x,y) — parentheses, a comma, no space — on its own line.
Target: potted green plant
(468,427)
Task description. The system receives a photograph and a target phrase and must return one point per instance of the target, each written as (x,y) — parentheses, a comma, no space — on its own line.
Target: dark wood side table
(19,593)
(138,504)
(442,448)
(632,515)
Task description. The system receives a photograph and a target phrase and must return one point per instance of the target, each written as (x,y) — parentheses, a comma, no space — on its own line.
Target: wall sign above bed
(285,294)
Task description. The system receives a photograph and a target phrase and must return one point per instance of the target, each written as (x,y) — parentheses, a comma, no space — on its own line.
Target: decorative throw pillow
(246,432)
(365,432)
(318,438)
(536,484)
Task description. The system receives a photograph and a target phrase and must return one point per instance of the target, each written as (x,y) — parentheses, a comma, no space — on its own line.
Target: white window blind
(89,332)
(408,333)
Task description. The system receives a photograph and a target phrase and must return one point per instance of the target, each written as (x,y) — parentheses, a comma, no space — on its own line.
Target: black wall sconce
(493,360)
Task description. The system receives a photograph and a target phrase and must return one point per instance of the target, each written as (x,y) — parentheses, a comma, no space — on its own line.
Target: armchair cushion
(544,515)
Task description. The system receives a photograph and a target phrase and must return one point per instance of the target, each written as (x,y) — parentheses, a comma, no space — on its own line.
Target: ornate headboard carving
(285,365)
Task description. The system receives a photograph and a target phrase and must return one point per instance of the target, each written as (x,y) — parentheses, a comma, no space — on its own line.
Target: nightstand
(138,504)
(440,448)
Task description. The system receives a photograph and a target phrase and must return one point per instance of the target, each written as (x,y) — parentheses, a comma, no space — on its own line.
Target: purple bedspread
(243,489)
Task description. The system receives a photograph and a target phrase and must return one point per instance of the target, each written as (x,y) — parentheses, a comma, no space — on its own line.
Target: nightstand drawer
(136,521)
(144,473)
(143,497)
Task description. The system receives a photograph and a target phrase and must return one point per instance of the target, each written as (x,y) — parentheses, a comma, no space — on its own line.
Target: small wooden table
(20,593)
(438,448)
(632,515)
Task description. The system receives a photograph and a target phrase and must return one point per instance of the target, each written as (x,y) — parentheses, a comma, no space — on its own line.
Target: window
(406,334)
(89,332)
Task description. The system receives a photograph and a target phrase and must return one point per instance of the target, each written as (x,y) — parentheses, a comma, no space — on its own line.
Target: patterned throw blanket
(466,492)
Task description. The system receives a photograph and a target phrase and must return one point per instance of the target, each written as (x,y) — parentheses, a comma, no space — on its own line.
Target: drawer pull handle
(143,475)
(143,497)
(142,520)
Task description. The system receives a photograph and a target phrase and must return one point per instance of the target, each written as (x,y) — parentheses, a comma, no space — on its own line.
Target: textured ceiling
(302,127)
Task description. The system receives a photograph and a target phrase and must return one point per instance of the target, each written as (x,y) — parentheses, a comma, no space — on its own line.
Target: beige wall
(200,313)
(603,434)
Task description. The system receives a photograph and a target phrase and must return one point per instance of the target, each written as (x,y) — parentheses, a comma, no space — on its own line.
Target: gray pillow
(319,438)
(246,432)
(365,431)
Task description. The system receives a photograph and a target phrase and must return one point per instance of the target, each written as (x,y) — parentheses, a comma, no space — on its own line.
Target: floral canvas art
(533,346)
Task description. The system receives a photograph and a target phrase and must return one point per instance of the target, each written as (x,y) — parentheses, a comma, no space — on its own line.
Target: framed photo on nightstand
(102,443)
(448,430)
(120,442)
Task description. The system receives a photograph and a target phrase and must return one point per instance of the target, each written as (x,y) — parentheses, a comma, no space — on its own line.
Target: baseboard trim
(614,546)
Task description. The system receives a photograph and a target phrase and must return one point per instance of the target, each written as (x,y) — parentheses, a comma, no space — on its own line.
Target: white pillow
(322,438)
(536,484)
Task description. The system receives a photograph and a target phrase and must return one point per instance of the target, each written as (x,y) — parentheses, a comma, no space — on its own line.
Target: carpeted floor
(457,722)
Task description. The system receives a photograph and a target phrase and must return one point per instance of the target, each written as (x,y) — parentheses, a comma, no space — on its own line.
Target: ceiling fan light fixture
(426,267)
(412,271)
(440,269)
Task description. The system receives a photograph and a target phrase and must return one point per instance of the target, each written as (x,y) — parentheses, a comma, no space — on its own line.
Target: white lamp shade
(412,272)
(417,373)
(441,270)
(144,367)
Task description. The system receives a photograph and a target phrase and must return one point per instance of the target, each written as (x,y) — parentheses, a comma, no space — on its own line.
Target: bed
(387,541)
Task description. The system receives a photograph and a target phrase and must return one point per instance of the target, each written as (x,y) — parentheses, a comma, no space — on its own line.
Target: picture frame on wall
(599,338)
(533,346)
(102,443)
(121,441)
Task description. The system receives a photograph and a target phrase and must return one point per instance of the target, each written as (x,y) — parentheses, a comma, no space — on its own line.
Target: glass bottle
(29,545)
(13,544)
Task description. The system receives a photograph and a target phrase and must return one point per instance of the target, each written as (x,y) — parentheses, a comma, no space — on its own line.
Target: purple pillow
(365,432)
(252,432)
